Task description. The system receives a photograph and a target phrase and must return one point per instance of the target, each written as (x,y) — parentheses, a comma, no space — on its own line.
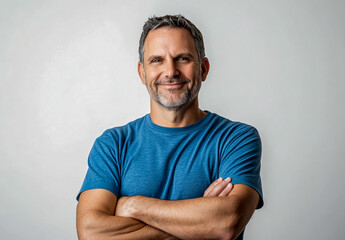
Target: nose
(171,69)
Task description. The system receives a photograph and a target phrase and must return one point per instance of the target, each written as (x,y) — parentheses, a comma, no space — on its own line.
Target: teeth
(173,81)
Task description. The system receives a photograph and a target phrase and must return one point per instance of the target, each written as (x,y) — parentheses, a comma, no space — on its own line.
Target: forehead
(174,40)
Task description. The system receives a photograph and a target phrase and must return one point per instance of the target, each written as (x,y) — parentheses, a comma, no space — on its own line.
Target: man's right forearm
(96,220)
(99,225)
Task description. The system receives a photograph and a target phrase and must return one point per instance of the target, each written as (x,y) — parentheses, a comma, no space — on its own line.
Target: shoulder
(232,127)
(120,133)
(234,135)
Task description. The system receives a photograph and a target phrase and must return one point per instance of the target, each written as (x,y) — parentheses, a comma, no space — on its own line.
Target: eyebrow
(179,55)
(153,57)
(185,55)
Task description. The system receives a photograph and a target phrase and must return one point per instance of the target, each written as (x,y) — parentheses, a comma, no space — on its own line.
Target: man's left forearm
(201,218)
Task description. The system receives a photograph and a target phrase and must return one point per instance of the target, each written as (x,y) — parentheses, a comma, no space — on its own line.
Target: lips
(172,82)
(171,86)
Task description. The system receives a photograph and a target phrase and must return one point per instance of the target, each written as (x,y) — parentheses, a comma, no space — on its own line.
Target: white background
(68,71)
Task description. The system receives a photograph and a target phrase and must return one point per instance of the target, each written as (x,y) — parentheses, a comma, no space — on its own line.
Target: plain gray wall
(68,71)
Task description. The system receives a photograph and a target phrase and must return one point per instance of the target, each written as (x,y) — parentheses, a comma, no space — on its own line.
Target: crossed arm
(222,213)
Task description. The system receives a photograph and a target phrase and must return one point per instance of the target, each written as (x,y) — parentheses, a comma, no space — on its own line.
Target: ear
(205,67)
(141,72)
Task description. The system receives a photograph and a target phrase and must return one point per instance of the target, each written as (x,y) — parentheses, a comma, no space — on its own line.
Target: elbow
(227,234)
(83,230)
(229,230)
(85,227)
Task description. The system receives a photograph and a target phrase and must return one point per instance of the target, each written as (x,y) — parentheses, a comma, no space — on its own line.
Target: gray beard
(175,106)
(188,96)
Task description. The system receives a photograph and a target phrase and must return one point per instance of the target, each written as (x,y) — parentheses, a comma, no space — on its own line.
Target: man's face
(171,71)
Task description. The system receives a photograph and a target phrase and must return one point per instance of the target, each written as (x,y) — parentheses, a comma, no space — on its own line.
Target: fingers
(226,190)
(219,187)
(212,186)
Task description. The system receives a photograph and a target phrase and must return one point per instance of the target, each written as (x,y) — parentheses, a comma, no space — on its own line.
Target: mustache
(173,80)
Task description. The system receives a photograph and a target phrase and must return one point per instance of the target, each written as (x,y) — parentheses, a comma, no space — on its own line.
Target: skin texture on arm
(96,220)
(210,217)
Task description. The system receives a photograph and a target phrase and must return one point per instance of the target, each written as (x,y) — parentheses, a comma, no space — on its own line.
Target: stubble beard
(169,98)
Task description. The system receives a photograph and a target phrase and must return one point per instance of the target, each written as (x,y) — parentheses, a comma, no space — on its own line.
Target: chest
(174,170)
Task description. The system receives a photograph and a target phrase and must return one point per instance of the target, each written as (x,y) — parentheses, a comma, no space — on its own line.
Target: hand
(124,207)
(219,188)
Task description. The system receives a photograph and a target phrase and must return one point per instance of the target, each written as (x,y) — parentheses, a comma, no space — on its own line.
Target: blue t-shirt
(142,158)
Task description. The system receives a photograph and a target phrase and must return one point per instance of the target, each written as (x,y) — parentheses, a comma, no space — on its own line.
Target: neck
(185,116)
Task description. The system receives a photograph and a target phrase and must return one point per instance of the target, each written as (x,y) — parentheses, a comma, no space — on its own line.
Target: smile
(171,85)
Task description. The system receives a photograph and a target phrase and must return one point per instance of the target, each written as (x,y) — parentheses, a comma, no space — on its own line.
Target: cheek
(192,72)
(152,75)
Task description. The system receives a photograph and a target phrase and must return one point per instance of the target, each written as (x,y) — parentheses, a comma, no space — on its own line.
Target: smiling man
(178,172)
(172,70)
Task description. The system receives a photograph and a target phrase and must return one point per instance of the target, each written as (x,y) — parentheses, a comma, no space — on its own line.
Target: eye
(156,60)
(183,59)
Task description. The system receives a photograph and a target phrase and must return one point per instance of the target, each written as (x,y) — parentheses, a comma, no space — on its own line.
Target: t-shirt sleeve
(103,168)
(241,159)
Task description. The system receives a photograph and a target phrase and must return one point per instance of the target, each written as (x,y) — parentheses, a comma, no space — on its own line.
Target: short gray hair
(173,21)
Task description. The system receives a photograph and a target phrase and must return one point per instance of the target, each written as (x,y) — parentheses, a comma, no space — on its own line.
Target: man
(178,172)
